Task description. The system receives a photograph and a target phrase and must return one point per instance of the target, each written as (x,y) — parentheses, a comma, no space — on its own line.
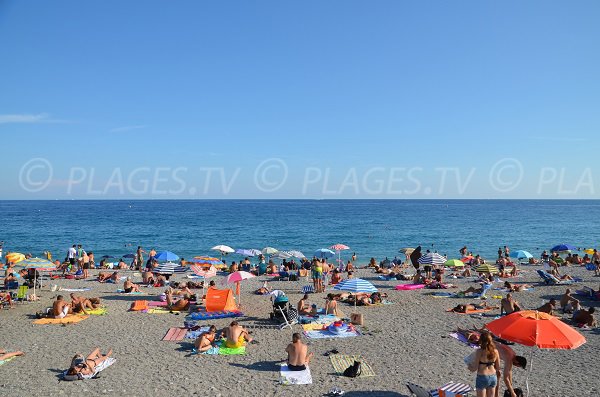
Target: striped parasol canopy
(339,247)
(37,264)
(487,268)
(248,252)
(432,258)
(355,285)
(200,271)
(166,268)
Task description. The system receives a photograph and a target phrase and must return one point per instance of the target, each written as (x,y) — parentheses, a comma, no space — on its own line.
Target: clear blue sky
(94,87)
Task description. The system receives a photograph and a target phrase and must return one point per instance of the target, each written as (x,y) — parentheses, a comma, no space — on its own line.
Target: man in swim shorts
(236,336)
(60,308)
(298,356)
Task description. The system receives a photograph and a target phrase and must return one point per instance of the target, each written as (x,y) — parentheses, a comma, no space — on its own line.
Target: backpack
(353,371)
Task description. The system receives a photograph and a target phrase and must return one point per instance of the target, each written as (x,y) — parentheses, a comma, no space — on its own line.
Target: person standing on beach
(510,359)
(71,254)
(463,251)
(353,256)
(487,365)
(140,255)
(506,251)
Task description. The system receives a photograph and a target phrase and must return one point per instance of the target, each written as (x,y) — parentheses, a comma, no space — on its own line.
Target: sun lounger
(550,279)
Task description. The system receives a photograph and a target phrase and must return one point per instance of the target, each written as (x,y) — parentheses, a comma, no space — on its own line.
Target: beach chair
(418,391)
(22,293)
(290,319)
(451,389)
(486,287)
(550,279)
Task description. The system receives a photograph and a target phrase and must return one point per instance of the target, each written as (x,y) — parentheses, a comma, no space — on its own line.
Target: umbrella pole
(529,372)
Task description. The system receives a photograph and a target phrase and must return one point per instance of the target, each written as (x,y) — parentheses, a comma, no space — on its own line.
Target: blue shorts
(485,381)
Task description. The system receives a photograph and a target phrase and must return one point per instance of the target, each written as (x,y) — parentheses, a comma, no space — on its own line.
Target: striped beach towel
(454,389)
(342,361)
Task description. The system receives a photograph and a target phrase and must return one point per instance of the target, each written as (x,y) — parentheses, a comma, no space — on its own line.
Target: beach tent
(219,300)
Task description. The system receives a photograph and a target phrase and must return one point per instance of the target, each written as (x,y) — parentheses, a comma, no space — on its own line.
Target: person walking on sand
(140,255)
(298,355)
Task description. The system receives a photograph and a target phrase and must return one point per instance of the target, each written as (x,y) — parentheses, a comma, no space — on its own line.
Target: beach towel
(228,351)
(461,338)
(74,289)
(287,377)
(160,310)
(203,315)
(314,326)
(122,291)
(487,309)
(308,289)
(440,294)
(99,368)
(157,303)
(408,287)
(139,306)
(71,318)
(195,334)
(213,351)
(94,312)
(326,334)
(175,334)
(342,361)
(7,360)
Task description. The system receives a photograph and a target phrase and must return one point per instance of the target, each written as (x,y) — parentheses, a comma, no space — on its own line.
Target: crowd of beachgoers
(262,299)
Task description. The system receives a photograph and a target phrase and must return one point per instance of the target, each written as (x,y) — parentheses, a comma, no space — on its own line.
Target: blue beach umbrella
(166,256)
(521,254)
(324,253)
(129,256)
(355,285)
(248,252)
(563,248)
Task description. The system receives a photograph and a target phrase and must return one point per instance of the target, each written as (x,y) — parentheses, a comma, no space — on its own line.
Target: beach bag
(354,370)
(357,319)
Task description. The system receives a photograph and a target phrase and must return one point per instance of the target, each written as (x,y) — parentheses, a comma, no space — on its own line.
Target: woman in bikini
(487,365)
(87,366)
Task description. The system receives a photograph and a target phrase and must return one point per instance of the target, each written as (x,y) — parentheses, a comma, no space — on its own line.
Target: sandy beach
(404,341)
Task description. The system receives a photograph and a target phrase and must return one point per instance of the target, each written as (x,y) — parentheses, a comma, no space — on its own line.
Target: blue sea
(371,228)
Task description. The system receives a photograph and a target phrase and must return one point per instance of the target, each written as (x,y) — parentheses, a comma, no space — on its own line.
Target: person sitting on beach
(331,306)
(6,297)
(567,302)
(122,265)
(548,307)
(271,267)
(303,306)
(516,287)
(60,308)
(465,308)
(129,286)
(180,290)
(87,366)
(509,358)
(176,306)
(4,355)
(206,340)
(148,278)
(298,356)
(236,336)
(336,277)
(508,305)
(349,267)
(79,304)
(585,317)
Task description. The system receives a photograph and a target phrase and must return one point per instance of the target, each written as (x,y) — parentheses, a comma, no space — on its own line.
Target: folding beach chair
(290,319)
(418,391)
(452,389)
(550,279)
(22,293)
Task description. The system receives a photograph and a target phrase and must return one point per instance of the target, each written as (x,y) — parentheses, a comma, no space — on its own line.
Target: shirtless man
(303,306)
(567,302)
(548,307)
(236,336)
(60,307)
(298,356)
(206,340)
(129,286)
(177,306)
(508,305)
(80,304)
(585,317)
(510,359)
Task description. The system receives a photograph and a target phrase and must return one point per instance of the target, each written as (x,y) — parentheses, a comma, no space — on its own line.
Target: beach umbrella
(296,254)
(202,272)
(355,285)
(533,328)
(324,253)
(339,248)
(206,260)
(432,258)
(407,250)
(163,256)
(415,256)
(38,264)
(269,251)
(589,251)
(14,257)
(236,278)
(282,255)
(223,249)
(521,254)
(166,268)
(487,268)
(248,252)
(128,256)
(563,248)
(454,263)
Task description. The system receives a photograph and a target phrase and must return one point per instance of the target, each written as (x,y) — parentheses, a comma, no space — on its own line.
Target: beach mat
(204,315)
(122,291)
(228,351)
(157,304)
(161,310)
(95,312)
(287,377)
(342,361)
(74,289)
(175,334)
(70,319)
(325,334)
(440,294)
(461,338)
(487,309)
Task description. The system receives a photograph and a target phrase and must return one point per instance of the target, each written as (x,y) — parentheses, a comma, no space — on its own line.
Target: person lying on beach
(585,317)
(176,306)
(548,307)
(60,308)
(516,287)
(206,340)
(79,304)
(4,355)
(303,305)
(182,291)
(129,286)
(508,305)
(236,336)
(87,366)
(465,308)
(471,335)
(567,302)
(108,277)
(472,290)
(298,356)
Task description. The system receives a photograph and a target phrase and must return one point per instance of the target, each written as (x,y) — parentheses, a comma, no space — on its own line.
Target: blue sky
(145,99)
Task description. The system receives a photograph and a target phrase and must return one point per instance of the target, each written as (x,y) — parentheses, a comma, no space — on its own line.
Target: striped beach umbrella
(454,263)
(14,257)
(487,268)
(202,272)
(166,268)
(37,264)
(432,258)
(339,247)
(355,285)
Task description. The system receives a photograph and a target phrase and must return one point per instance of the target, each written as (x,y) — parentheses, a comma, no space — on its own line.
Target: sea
(371,228)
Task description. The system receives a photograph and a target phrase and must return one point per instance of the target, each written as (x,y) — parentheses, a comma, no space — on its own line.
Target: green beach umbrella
(454,263)
(486,268)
